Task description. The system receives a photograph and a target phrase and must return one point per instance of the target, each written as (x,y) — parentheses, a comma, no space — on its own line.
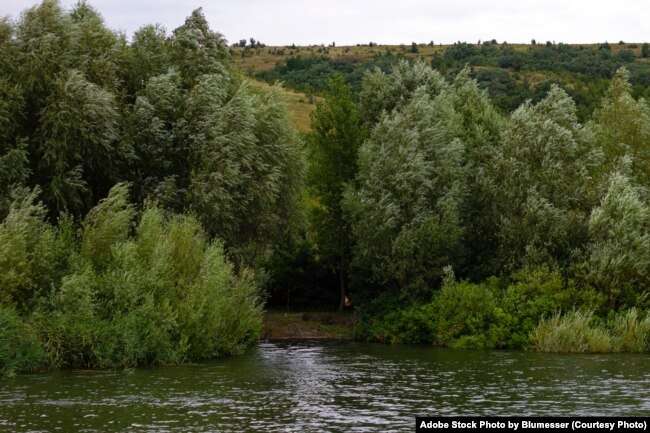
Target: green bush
(460,315)
(126,294)
(20,350)
(469,315)
(480,316)
(32,254)
(537,293)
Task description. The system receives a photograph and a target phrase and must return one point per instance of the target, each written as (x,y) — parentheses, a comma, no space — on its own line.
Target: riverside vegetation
(152,200)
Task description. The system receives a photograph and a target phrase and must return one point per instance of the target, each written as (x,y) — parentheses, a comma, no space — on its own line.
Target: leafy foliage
(121,293)
(544,170)
(82,109)
(337,135)
(405,211)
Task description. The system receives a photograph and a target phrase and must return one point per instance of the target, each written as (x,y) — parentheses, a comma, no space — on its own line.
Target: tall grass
(632,331)
(579,332)
(571,333)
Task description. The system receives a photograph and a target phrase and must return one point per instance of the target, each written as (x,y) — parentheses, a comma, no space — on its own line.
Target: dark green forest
(154,202)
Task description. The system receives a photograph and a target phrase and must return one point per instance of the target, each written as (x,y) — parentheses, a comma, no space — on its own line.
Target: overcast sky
(283,22)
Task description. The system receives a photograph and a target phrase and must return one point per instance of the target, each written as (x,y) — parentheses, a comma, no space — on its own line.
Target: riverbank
(282,325)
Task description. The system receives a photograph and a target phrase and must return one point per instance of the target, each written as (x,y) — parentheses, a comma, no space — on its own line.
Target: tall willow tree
(13,150)
(78,143)
(406,209)
(162,164)
(619,253)
(425,192)
(622,130)
(197,50)
(544,171)
(64,76)
(147,56)
(334,147)
(246,162)
(480,131)
(383,93)
(82,109)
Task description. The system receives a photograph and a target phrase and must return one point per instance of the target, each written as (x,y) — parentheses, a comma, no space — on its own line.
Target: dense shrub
(494,314)
(537,293)
(460,315)
(20,349)
(128,293)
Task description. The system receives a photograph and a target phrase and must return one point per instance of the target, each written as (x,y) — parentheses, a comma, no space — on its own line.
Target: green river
(320,386)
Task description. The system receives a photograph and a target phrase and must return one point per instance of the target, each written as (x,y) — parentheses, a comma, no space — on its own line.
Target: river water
(326,386)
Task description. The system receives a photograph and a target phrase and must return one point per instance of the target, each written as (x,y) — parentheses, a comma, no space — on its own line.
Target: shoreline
(309,325)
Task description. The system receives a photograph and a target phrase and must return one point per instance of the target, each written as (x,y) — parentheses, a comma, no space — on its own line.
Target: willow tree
(198,50)
(247,164)
(334,144)
(480,132)
(406,207)
(621,128)
(619,253)
(147,56)
(94,50)
(65,69)
(161,170)
(383,93)
(544,172)
(14,168)
(79,144)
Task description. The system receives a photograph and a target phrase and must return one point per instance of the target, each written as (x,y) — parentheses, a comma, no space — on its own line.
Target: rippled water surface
(326,386)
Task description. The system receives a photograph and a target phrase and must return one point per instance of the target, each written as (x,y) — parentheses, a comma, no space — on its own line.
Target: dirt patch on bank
(280,325)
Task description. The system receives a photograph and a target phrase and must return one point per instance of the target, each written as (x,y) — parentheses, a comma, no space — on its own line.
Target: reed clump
(580,331)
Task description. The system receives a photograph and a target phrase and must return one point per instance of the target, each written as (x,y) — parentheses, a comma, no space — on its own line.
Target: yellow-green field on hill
(261,59)
(300,105)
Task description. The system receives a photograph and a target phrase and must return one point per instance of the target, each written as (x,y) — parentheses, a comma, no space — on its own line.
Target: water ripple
(326,386)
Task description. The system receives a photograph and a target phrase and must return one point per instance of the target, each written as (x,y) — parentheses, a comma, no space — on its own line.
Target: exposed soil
(279,325)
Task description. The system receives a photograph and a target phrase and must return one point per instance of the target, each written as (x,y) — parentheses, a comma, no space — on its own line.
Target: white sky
(283,22)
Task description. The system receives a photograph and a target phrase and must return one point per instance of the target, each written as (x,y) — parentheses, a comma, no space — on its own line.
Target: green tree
(645,50)
(406,209)
(42,41)
(79,147)
(480,132)
(197,50)
(66,117)
(94,50)
(382,93)
(620,248)
(622,130)
(337,135)
(147,56)
(544,173)
(14,163)
(161,170)
(247,164)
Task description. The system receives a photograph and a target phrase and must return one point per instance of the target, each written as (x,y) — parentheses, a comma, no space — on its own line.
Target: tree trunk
(342,287)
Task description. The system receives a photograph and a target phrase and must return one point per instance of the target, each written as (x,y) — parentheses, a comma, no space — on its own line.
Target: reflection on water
(326,386)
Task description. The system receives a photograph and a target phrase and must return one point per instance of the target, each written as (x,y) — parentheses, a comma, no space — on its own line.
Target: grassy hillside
(511,73)
(254,60)
(300,105)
